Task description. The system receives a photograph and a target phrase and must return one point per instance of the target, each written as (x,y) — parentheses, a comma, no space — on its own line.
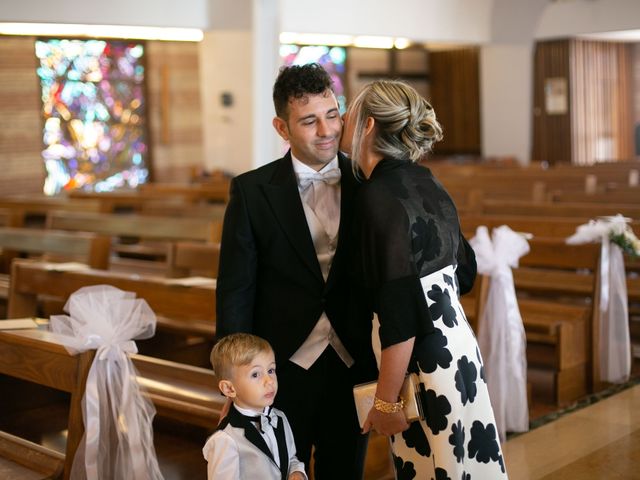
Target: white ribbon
(501,334)
(614,342)
(118,439)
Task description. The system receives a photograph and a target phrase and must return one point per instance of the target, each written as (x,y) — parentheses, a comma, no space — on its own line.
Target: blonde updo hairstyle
(406,125)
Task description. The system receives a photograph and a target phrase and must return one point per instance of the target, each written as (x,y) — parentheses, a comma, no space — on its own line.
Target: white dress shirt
(323,226)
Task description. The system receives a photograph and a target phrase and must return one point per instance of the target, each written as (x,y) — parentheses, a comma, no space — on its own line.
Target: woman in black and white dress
(412,264)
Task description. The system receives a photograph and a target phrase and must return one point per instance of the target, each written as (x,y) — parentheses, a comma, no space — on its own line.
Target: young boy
(254,440)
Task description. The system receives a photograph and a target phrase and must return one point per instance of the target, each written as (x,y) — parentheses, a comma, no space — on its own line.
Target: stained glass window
(331,58)
(93,105)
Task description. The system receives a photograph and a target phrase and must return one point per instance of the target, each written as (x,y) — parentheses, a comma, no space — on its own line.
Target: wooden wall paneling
(20,120)
(455,96)
(551,131)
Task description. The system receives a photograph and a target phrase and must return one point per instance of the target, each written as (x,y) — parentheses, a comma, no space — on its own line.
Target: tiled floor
(601,441)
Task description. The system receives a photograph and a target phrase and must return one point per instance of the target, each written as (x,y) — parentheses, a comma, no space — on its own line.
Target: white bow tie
(330,177)
(265,419)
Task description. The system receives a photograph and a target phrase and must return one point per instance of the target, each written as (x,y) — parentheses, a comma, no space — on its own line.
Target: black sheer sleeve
(467,269)
(388,269)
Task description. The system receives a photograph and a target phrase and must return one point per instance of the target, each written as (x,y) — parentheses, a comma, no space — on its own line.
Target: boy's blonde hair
(235,350)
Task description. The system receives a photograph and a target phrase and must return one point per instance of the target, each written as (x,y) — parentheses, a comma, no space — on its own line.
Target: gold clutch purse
(363,395)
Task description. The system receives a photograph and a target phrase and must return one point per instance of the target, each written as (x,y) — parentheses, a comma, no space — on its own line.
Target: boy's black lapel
(282,449)
(236,419)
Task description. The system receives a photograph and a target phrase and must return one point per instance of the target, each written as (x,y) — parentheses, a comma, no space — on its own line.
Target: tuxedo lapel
(348,187)
(236,419)
(282,194)
(282,448)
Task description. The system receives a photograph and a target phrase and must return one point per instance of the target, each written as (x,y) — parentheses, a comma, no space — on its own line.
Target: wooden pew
(24,356)
(557,286)
(22,207)
(189,310)
(624,196)
(9,218)
(212,191)
(210,211)
(558,227)
(550,210)
(88,248)
(140,226)
(193,258)
(557,297)
(22,459)
(182,392)
(145,238)
(132,200)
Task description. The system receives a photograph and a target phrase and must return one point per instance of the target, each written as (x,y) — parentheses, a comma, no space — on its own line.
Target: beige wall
(21,167)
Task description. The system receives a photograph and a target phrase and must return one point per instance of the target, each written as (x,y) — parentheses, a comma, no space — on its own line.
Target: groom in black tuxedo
(284,274)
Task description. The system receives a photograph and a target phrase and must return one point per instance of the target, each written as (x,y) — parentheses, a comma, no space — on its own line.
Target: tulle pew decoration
(501,334)
(118,438)
(615,236)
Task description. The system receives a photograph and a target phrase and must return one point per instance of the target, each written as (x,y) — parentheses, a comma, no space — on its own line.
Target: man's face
(313,128)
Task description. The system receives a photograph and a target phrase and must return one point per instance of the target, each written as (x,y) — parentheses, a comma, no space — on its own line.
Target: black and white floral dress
(412,264)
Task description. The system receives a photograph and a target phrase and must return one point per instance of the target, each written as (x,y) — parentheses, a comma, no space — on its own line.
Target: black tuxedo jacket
(269,279)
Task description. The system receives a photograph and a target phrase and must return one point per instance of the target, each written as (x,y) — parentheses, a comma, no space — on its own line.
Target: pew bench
(181,392)
(88,248)
(557,288)
(139,236)
(25,355)
(188,309)
(551,210)
(191,258)
(29,209)
(21,459)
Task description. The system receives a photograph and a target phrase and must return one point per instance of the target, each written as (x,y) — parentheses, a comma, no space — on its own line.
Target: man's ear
(226,387)
(281,127)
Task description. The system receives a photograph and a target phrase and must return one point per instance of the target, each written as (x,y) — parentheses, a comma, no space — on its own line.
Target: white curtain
(501,335)
(118,439)
(614,343)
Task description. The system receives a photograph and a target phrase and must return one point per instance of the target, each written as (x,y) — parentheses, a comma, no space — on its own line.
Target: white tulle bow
(501,335)
(614,341)
(118,439)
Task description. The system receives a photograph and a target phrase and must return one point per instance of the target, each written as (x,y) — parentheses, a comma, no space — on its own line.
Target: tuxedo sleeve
(223,458)
(295,465)
(236,284)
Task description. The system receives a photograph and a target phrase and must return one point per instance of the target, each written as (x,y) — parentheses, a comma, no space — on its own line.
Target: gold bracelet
(387,407)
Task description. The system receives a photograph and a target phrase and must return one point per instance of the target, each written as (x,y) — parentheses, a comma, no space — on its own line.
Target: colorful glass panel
(93,104)
(331,58)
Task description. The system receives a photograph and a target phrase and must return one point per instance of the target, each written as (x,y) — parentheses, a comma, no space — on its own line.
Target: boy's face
(253,386)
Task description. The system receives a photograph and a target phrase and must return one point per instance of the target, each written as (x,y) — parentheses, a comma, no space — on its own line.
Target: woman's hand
(385,423)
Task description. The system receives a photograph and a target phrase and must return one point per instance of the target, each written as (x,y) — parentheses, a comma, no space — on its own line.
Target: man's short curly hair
(297,81)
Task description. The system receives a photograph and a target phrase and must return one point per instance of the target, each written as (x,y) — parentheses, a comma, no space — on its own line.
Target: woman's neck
(369,161)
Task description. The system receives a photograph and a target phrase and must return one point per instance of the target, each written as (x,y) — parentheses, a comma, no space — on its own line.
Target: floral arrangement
(616,228)
(627,241)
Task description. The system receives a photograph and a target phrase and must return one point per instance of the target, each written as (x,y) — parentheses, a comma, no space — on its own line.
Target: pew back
(34,356)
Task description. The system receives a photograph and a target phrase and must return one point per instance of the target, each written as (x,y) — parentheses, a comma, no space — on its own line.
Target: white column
(266,61)
(506,99)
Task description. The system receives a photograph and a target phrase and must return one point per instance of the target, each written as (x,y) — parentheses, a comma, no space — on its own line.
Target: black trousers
(319,405)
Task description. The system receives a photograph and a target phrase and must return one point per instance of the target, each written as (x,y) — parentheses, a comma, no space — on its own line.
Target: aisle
(601,441)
